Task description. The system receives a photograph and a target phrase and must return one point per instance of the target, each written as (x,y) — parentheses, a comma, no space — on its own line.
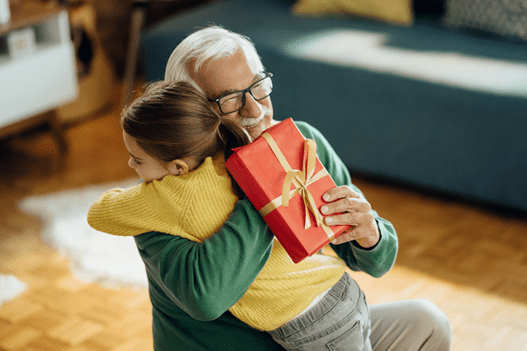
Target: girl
(178,144)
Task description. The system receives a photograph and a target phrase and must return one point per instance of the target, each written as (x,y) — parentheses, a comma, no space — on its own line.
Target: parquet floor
(470,260)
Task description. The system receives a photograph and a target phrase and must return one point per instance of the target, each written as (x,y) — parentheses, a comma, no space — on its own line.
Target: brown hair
(173,120)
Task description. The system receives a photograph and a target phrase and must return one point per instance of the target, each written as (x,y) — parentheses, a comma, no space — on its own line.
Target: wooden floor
(470,260)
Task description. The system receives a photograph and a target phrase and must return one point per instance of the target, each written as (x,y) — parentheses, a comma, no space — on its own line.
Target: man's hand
(355,211)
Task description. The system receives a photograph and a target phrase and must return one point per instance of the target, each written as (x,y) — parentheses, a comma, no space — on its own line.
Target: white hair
(209,43)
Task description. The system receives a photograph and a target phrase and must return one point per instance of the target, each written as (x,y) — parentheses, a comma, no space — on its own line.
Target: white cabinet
(42,77)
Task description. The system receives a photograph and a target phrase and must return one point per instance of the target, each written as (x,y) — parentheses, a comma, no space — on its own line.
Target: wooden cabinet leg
(58,133)
(136,25)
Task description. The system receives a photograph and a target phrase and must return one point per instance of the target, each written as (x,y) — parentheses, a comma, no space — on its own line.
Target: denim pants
(340,321)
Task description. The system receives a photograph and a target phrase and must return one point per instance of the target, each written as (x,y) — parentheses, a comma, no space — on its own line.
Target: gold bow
(301,180)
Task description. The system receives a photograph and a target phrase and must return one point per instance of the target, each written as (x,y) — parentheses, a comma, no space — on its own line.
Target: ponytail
(233,135)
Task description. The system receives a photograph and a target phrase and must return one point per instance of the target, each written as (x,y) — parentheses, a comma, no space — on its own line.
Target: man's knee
(432,324)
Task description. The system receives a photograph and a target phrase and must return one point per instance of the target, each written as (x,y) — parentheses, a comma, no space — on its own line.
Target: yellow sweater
(195,206)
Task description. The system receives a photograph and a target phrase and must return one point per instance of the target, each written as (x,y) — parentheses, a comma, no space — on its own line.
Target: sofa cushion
(506,18)
(395,11)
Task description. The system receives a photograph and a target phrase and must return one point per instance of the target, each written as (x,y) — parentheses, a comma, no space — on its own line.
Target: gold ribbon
(301,180)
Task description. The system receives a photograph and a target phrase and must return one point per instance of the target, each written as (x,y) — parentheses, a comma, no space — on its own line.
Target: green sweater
(192,285)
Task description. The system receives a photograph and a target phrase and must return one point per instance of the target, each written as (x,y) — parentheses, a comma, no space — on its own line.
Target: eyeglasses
(232,102)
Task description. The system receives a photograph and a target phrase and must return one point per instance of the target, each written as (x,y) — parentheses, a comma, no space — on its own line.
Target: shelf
(28,14)
(43,77)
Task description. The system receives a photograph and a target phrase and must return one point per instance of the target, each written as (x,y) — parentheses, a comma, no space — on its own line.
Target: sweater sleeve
(377,261)
(115,210)
(206,279)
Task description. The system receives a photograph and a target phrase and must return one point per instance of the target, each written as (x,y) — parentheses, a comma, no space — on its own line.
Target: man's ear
(178,167)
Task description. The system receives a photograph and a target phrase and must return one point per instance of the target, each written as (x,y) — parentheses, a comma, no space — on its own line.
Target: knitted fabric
(198,203)
(195,206)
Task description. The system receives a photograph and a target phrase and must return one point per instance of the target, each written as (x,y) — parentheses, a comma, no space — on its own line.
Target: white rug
(94,256)
(10,287)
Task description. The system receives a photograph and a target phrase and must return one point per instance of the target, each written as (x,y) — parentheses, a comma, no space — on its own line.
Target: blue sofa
(422,105)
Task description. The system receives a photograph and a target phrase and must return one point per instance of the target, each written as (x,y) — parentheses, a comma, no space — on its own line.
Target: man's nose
(251,108)
(131,163)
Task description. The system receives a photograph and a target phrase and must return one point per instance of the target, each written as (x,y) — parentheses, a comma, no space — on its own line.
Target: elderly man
(192,285)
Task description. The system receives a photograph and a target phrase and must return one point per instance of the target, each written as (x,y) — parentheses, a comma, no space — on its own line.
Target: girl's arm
(206,279)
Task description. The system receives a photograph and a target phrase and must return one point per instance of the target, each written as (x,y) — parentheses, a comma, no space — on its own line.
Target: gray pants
(340,321)
(409,325)
(403,325)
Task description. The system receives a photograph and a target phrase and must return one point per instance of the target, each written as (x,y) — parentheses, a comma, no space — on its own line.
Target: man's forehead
(223,75)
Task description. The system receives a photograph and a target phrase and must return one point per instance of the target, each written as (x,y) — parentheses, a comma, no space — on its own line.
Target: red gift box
(283,178)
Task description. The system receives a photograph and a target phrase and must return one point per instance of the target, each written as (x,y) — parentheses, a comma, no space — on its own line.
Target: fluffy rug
(10,287)
(93,256)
